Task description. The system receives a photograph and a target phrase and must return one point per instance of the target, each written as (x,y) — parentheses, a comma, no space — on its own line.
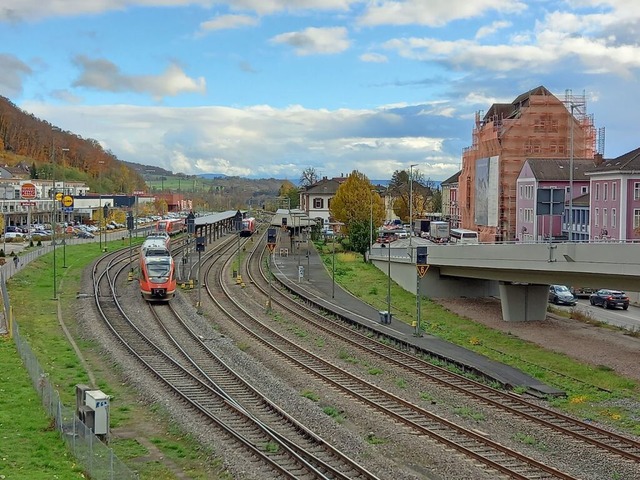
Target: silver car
(561,295)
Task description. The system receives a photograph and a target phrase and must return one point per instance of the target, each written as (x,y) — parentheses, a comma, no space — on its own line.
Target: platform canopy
(295,218)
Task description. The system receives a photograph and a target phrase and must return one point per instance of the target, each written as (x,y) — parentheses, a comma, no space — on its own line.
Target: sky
(269,88)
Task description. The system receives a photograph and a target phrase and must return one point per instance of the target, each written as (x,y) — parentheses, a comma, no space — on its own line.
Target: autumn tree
(359,207)
(308,177)
(289,190)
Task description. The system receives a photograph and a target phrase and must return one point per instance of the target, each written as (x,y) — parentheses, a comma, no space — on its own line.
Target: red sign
(28,191)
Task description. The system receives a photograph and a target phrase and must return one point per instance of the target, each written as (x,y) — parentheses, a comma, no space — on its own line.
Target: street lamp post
(389,282)
(53,211)
(570,219)
(64,235)
(333,263)
(411,203)
(100,163)
(371,225)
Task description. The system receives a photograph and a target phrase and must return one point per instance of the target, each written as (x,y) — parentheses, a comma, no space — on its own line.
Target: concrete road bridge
(519,273)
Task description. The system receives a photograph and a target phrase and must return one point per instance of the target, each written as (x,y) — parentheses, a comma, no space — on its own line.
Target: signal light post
(271,245)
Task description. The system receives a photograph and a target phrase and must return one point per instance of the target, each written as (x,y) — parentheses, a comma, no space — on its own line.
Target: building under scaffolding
(537,124)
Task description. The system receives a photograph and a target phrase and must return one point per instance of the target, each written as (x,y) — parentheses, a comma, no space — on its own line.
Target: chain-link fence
(98,460)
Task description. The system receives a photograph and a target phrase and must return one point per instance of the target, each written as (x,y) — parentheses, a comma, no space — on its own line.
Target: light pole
(333,263)
(570,219)
(371,225)
(411,204)
(100,163)
(53,211)
(389,282)
(64,235)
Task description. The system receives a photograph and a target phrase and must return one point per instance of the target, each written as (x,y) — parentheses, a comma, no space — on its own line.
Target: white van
(463,236)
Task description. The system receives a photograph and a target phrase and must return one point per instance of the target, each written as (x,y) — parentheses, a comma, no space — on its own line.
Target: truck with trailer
(421,227)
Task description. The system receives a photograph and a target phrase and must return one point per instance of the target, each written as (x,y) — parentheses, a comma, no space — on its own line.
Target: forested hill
(26,138)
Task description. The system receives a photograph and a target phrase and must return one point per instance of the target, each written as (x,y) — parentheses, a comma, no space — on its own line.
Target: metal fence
(98,460)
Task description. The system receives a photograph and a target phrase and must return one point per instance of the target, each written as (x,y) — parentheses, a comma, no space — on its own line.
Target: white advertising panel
(487,191)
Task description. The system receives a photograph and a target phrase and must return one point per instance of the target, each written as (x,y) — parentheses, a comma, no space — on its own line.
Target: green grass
(583,383)
(30,447)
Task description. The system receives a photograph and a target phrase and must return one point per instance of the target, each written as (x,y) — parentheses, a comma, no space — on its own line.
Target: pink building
(553,173)
(615,198)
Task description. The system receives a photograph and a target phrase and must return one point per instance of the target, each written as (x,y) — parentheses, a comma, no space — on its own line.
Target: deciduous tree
(308,177)
(289,190)
(359,207)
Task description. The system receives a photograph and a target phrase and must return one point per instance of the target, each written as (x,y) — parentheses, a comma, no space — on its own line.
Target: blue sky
(268,88)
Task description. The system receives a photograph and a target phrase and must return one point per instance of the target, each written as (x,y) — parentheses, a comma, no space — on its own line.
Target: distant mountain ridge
(212,175)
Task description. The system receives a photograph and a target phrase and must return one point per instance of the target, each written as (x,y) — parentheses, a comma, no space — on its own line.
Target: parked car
(561,295)
(85,234)
(609,298)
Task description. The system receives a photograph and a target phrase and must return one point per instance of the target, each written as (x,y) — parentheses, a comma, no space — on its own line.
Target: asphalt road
(629,319)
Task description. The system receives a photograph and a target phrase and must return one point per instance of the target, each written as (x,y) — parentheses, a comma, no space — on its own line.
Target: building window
(318,203)
(528,215)
(636,218)
(613,216)
(596,217)
(605,192)
(636,191)
(614,187)
(520,215)
(521,189)
(604,218)
(584,189)
(597,191)
(528,191)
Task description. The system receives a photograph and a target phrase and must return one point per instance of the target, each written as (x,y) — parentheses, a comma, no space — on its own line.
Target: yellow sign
(271,247)
(422,270)
(67,201)
(59,196)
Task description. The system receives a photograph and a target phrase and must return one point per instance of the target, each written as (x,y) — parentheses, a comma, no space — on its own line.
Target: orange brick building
(537,124)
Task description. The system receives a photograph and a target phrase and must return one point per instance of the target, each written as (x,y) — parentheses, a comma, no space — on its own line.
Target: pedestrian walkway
(308,276)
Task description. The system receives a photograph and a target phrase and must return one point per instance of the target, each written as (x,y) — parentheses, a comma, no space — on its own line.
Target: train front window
(159,271)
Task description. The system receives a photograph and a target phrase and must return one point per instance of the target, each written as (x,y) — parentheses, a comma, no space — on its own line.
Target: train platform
(309,276)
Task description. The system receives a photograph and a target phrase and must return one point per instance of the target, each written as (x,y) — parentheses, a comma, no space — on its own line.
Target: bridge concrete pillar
(523,302)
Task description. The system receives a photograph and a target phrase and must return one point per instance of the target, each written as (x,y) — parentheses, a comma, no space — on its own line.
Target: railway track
(508,402)
(264,446)
(472,444)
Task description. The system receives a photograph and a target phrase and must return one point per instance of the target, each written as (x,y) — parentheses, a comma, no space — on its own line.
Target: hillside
(52,153)
(56,153)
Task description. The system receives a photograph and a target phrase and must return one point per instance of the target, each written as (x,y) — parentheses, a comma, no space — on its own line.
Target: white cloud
(30,10)
(436,14)
(227,22)
(374,58)
(313,40)
(12,72)
(488,30)
(101,74)
(258,141)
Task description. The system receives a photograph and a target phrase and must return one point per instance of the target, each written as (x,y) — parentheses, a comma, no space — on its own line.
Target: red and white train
(248,227)
(171,226)
(157,270)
